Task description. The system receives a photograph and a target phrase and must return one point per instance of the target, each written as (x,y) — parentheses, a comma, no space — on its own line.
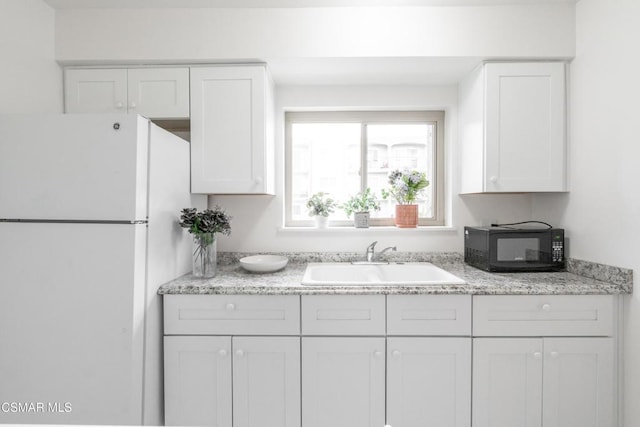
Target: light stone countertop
(582,278)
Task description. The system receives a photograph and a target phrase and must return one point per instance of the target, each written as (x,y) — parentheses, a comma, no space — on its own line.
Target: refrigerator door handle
(73,221)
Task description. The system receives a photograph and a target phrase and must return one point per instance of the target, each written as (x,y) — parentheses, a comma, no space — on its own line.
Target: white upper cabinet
(231,132)
(157,93)
(512,128)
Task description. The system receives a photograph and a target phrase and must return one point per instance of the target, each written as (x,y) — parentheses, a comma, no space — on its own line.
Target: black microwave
(514,249)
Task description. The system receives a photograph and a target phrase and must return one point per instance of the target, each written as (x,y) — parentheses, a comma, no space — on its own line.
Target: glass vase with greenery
(204,226)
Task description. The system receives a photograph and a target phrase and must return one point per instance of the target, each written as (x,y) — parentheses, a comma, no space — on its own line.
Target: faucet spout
(371,254)
(390,248)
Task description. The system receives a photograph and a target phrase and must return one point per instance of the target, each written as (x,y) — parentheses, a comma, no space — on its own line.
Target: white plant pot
(321,221)
(361,219)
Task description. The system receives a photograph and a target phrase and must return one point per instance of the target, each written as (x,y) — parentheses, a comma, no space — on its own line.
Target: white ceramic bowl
(264,263)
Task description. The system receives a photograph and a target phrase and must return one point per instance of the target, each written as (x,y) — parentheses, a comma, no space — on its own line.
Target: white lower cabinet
(197,381)
(264,371)
(428,382)
(343,382)
(360,361)
(266,381)
(525,375)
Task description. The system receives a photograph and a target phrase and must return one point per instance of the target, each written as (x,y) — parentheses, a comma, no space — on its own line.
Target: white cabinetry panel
(507,382)
(513,128)
(231,139)
(156,93)
(197,379)
(428,382)
(343,382)
(266,381)
(95,90)
(578,382)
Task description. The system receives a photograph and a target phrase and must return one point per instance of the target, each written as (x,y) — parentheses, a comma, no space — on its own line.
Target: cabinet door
(507,382)
(343,382)
(159,93)
(95,90)
(525,127)
(578,382)
(266,382)
(228,130)
(429,382)
(197,381)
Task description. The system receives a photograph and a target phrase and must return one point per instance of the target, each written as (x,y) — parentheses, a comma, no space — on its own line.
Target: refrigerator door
(71,323)
(73,167)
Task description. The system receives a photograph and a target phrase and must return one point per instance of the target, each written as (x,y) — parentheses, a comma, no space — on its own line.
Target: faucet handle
(372,246)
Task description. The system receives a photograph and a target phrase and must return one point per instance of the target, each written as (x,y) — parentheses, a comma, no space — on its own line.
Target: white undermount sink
(347,274)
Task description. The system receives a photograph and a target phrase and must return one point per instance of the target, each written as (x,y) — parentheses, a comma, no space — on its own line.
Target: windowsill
(371,230)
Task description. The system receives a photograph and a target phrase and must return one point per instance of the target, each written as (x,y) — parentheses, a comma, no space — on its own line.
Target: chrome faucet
(371,252)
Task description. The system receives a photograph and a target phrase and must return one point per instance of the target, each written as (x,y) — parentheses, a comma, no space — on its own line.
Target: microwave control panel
(557,246)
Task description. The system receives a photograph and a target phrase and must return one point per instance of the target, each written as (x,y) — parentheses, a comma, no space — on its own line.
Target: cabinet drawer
(429,315)
(231,315)
(543,315)
(343,315)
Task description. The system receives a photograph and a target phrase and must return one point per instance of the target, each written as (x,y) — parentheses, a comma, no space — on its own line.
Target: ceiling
(135,4)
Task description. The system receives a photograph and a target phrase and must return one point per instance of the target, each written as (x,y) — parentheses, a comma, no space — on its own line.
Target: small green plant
(406,186)
(320,204)
(365,201)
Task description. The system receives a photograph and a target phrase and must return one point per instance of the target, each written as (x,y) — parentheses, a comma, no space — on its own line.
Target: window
(344,152)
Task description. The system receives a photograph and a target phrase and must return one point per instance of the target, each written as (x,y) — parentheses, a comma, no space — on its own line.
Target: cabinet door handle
(537,355)
(395,353)
(258,180)
(546,307)
(493,178)
(554,354)
(222,352)
(240,353)
(119,105)
(132,104)
(377,354)
(231,306)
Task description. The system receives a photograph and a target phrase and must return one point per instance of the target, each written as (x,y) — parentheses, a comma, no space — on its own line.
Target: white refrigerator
(89,208)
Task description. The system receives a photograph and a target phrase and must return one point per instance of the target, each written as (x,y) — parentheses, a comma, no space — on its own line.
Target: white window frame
(365,118)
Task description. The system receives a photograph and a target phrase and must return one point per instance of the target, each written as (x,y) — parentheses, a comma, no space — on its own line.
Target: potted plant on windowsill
(320,205)
(405,187)
(361,205)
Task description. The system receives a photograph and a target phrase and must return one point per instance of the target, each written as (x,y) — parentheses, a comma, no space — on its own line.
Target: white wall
(602,211)
(257,220)
(30,80)
(152,35)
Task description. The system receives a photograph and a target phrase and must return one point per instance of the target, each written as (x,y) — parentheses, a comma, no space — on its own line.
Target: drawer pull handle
(554,354)
(537,355)
(546,307)
(222,352)
(239,353)
(231,307)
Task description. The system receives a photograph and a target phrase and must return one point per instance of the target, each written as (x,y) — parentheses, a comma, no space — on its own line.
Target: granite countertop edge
(581,278)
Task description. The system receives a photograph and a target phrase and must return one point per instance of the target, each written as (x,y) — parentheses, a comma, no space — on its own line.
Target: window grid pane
(326,154)
(325,157)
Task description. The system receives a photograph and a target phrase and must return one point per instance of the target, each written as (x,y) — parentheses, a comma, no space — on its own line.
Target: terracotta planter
(406,216)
